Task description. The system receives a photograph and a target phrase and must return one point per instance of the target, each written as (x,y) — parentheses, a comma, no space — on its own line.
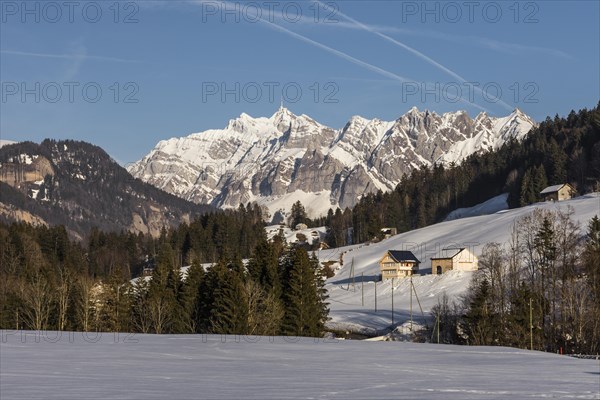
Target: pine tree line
(50,282)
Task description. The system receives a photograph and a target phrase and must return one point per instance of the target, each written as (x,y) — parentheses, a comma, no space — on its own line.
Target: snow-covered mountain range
(278,160)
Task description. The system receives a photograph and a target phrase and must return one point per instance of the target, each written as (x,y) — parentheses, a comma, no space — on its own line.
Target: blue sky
(168,69)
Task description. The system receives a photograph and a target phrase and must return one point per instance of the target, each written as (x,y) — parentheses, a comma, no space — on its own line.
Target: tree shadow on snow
(357,280)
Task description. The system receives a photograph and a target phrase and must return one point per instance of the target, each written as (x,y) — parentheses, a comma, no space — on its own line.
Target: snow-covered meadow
(73,366)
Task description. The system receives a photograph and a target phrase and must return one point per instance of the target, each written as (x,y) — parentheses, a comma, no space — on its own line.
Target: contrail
(343,55)
(65,56)
(331,50)
(406,47)
(355,60)
(338,53)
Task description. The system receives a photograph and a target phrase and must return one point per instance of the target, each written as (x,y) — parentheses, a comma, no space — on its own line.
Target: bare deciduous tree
(264,310)
(85,302)
(36,296)
(62,292)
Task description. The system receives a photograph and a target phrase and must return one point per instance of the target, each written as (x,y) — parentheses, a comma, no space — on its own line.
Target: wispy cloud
(515,48)
(74,56)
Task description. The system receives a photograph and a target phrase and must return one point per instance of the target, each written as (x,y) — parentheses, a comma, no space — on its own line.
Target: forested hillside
(78,185)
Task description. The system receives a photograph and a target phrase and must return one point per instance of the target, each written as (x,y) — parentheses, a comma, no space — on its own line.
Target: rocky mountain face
(78,185)
(278,160)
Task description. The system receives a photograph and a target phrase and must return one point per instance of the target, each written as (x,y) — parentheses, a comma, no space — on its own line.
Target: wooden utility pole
(362,289)
(411,291)
(531,323)
(392,301)
(352,272)
(375,294)
(438,328)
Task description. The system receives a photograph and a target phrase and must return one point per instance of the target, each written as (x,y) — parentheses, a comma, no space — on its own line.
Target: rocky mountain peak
(289,157)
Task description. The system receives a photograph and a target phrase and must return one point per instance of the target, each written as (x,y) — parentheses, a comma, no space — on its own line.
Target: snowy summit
(273,160)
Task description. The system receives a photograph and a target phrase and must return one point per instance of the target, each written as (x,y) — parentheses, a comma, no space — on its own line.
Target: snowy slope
(117,366)
(491,134)
(278,160)
(490,206)
(347,311)
(4,142)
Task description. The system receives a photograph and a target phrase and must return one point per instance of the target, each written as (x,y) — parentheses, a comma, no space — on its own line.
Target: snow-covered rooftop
(553,188)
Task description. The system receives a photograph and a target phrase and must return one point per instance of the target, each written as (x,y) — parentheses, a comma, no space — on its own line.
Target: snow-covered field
(215,367)
(346,300)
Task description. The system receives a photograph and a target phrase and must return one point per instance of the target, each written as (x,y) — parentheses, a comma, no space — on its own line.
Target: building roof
(553,188)
(458,250)
(402,256)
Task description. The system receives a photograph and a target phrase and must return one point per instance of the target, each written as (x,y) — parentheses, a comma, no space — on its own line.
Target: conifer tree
(162,301)
(321,305)
(298,214)
(546,249)
(191,295)
(228,311)
(305,310)
(263,268)
(179,318)
(517,331)
(540,182)
(528,194)
(557,161)
(477,322)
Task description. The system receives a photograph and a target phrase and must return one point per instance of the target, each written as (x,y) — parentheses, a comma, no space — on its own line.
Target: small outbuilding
(398,264)
(301,226)
(388,232)
(564,191)
(454,259)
